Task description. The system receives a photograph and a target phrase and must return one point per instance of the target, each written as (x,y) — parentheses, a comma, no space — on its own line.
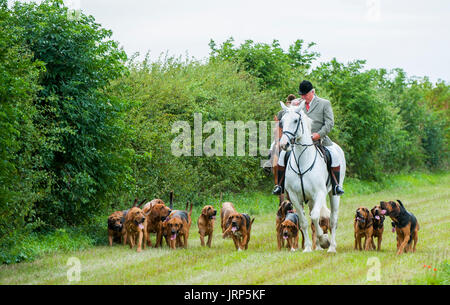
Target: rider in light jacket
(321,113)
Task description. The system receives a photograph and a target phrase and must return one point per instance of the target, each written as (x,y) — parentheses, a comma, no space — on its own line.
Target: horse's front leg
(302,219)
(334,205)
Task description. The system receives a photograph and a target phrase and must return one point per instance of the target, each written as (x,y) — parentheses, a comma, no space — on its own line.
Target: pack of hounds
(135,226)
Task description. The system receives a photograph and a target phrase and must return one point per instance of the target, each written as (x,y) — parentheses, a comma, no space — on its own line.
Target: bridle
(292,135)
(292,139)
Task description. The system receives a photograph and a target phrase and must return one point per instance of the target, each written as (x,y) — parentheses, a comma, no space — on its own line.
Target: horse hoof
(293,250)
(324,241)
(307,249)
(332,250)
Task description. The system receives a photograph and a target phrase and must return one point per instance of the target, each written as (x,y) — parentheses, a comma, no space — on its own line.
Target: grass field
(428,197)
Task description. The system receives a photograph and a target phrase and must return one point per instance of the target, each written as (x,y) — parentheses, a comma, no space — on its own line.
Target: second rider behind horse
(320,112)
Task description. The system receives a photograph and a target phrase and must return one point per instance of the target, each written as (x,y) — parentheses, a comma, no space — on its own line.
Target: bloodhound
(237,225)
(405,223)
(116,229)
(363,226)
(136,227)
(157,212)
(225,212)
(177,226)
(205,224)
(284,208)
(378,226)
(289,229)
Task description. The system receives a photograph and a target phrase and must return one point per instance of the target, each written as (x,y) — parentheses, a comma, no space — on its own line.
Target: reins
(292,137)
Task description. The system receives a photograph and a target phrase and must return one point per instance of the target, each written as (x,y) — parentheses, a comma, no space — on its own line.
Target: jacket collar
(312,104)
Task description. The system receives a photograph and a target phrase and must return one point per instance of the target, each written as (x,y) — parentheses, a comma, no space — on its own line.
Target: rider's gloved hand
(315,137)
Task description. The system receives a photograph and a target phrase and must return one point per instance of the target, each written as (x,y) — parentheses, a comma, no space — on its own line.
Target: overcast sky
(409,34)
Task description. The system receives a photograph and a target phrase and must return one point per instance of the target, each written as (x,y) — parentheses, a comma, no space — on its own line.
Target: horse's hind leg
(334,205)
(302,219)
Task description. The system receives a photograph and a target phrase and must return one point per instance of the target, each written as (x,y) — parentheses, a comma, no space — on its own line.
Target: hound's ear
(369,214)
(372,211)
(283,106)
(228,221)
(402,208)
(369,217)
(280,211)
(253,219)
(204,211)
(294,230)
(243,219)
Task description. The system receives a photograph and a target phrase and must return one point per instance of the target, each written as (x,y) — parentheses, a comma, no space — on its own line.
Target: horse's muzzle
(286,143)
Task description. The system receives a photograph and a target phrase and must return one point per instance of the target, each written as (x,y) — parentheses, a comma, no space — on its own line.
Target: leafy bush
(171,90)
(80,124)
(19,138)
(362,120)
(276,69)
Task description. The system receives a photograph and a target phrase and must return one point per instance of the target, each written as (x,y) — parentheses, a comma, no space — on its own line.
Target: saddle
(327,156)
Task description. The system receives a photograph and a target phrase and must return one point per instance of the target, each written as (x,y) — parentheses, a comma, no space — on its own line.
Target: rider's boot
(279,188)
(335,174)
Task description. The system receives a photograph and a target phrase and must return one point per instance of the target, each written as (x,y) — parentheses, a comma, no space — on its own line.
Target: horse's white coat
(314,181)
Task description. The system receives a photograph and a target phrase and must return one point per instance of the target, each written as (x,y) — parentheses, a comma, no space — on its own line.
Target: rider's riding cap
(305,87)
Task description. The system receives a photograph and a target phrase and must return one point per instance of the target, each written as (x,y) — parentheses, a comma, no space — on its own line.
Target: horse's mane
(299,109)
(307,120)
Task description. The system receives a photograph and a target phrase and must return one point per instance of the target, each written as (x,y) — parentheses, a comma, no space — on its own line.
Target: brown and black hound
(237,225)
(289,231)
(405,223)
(284,208)
(205,224)
(378,226)
(363,226)
(116,228)
(177,227)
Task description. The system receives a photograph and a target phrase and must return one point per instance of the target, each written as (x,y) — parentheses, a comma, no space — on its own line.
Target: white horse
(306,176)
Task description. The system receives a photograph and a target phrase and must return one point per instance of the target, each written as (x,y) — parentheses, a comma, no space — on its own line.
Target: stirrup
(338,191)
(277,190)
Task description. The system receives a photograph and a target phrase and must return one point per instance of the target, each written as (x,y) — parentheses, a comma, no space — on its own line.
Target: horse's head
(296,125)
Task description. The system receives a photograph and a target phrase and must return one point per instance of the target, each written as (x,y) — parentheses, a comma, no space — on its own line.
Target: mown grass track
(263,263)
